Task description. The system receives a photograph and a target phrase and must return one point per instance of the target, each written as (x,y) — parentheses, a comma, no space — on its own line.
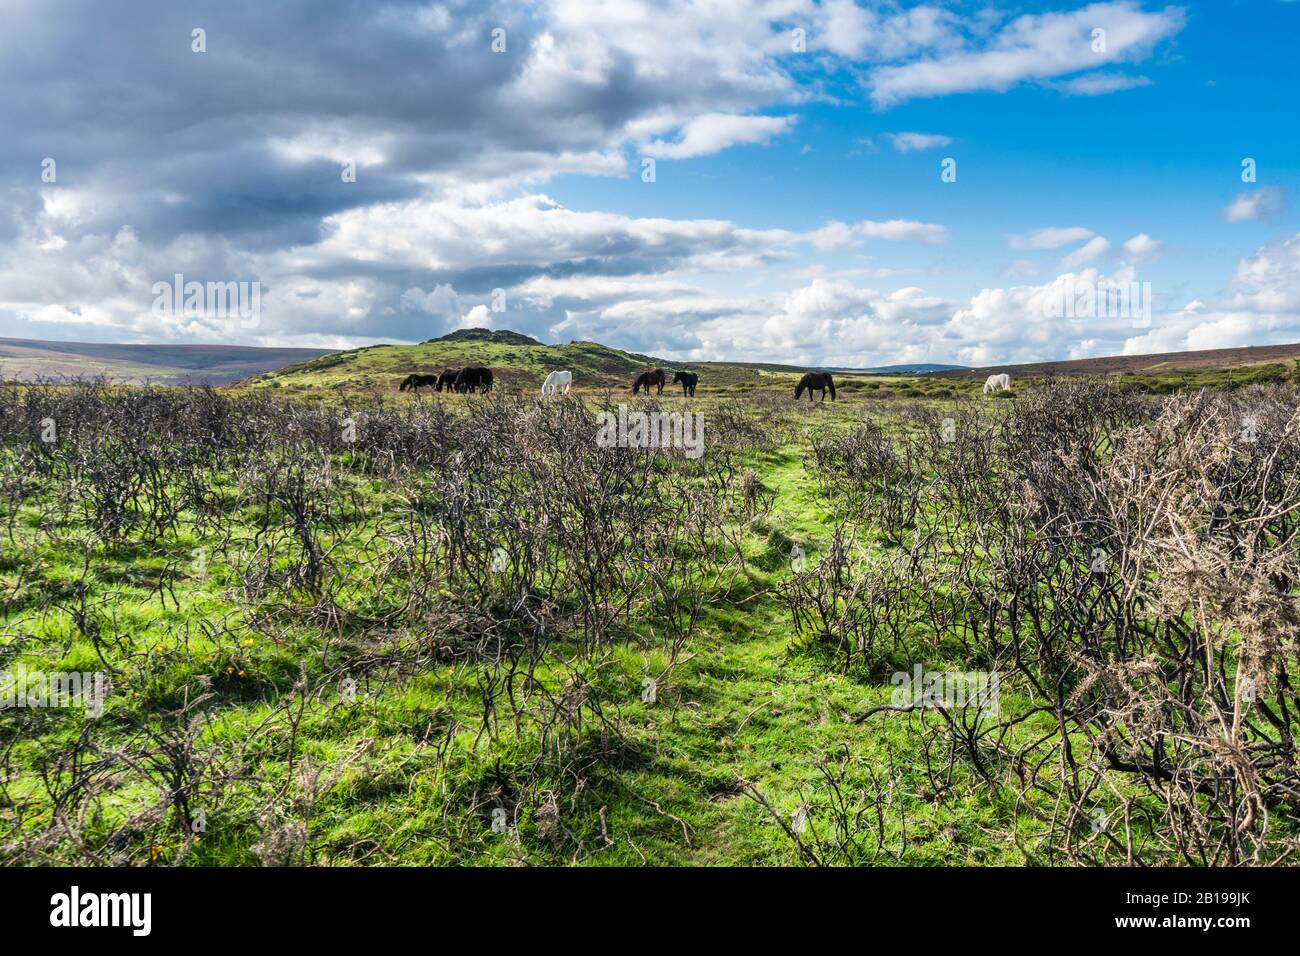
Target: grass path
(745,708)
(741,706)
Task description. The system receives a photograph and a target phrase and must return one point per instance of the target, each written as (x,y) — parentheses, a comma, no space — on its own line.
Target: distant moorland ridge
(32,359)
(518,359)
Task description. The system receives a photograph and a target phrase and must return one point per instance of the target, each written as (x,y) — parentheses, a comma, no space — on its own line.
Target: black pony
(688,381)
(646,379)
(816,381)
(476,377)
(415,381)
(447,379)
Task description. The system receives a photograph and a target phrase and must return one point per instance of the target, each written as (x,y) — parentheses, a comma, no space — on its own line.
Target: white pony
(555,381)
(997,383)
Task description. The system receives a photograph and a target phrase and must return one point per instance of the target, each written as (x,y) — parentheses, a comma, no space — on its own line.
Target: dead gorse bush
(500,540)
(1129,567)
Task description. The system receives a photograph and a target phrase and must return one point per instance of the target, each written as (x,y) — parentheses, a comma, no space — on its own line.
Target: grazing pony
(447,379)
(474,377)
(997,383)
(646,379)
(415,381)
(816,381)
(555,381)
(688,382)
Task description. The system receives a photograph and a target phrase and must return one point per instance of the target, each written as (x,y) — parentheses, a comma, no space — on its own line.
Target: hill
(1155,364)
(496,336)
(518,361)
(522,362)
(919,368)
(30,359)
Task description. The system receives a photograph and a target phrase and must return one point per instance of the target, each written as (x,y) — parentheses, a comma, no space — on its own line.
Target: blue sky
(797,212)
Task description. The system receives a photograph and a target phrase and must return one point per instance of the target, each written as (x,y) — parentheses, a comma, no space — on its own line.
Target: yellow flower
(248,643)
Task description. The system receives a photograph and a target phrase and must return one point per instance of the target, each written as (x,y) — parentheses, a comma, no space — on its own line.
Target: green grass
(402,772)
(740,706)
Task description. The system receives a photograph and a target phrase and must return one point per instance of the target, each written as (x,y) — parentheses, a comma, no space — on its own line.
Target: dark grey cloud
(180,141)
(226,163)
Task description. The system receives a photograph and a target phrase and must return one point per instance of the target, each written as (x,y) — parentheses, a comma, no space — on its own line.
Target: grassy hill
(1188,367)
(31,359)
(521,363)
(518,362)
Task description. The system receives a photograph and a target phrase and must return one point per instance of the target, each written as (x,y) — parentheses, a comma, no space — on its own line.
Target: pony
(416,381)
(688,382)
(555,381)
(816,381)
(997,383)
(474,377)
(646,379)
(447,379)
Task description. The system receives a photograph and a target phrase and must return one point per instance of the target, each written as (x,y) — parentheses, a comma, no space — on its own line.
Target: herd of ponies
(476,378)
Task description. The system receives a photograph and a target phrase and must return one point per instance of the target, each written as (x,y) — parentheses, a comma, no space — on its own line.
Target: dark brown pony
(688,381)
(476,377)
(447,379)
(816,381)
(646,379)
(415,381)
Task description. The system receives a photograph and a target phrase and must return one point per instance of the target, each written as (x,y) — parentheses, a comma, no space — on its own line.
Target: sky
(822,183)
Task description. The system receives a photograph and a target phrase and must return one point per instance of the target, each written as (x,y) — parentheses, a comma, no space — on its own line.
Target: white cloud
(1090,251)
(1099,84)
(456,167)
(530,233)
(441,300)
(898,230)
(479,317)
(1260,203)
(1261,307)
(833,235)
(714,132)
(1053,237)
(1142,246)
(832,320)
(848,29)
(1031,47)
(911,142)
